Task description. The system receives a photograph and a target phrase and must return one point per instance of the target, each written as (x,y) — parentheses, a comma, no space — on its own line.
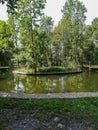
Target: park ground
(52,114)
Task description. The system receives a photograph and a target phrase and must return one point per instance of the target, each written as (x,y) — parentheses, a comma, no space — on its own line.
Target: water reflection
(84,82)
(19,87)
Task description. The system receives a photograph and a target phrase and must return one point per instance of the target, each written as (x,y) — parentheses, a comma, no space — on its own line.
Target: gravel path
(49,95)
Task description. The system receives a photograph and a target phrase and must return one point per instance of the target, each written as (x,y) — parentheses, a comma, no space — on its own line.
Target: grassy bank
(85,109)
(4,67)
(50,69)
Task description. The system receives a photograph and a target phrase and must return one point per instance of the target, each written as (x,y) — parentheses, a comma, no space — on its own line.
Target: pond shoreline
(49,95)
(47,73)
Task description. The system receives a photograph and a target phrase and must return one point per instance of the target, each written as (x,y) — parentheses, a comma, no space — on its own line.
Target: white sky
(53,9)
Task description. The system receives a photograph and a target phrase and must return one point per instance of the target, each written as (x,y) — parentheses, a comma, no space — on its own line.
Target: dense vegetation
(29,40)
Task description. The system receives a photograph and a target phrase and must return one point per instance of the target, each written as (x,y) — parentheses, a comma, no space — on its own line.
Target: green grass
(52,69)
(43,69)
(70,67)
(85,108)
(94,66)
(30,70)
(91,66)
(58,69)
(3,67)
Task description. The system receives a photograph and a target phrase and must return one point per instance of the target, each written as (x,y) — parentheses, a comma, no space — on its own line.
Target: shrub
(71,66)
(52,69)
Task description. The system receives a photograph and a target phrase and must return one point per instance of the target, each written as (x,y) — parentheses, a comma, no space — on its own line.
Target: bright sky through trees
(53,9)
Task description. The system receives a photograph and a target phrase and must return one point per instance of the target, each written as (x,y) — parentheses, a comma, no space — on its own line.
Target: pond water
(84,82)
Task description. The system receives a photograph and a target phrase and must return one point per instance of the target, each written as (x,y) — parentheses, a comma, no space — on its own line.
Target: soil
(16,119)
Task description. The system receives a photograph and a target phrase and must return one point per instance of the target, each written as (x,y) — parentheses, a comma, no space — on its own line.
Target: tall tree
(91,48)
(11,5)
(74,21)
(46,25)
(14,29)
(27,18)
(6,45)
(59,42)
(95,38)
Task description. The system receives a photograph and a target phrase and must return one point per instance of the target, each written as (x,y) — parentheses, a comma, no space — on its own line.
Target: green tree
(93,38)
(59,43)
(11,5)
(26,28)
(90,48)
(94,26)
(46,25)
(6,45)
(14,29)
(74,22)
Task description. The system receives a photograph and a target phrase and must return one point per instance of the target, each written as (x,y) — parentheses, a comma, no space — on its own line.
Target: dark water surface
(84,82)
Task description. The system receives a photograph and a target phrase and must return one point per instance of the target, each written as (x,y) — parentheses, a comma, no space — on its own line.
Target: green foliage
(28,38)
(68,36)
(90,48)
(72,66)
(11,5)
(32,34)
(52,69)
(89,53)
(6,44)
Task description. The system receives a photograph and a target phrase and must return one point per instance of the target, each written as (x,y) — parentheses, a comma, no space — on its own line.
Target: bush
(72,66)
(52,69)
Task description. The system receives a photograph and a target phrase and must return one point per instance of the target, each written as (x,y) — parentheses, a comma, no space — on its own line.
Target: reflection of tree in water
(32,84)
(41,84)
(7,82)
(91,81)
(18,86)
(56,85)
(3,74)
(84,82)
(73,83)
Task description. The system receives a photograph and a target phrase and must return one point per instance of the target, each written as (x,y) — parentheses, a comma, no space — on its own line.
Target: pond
(84,82)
